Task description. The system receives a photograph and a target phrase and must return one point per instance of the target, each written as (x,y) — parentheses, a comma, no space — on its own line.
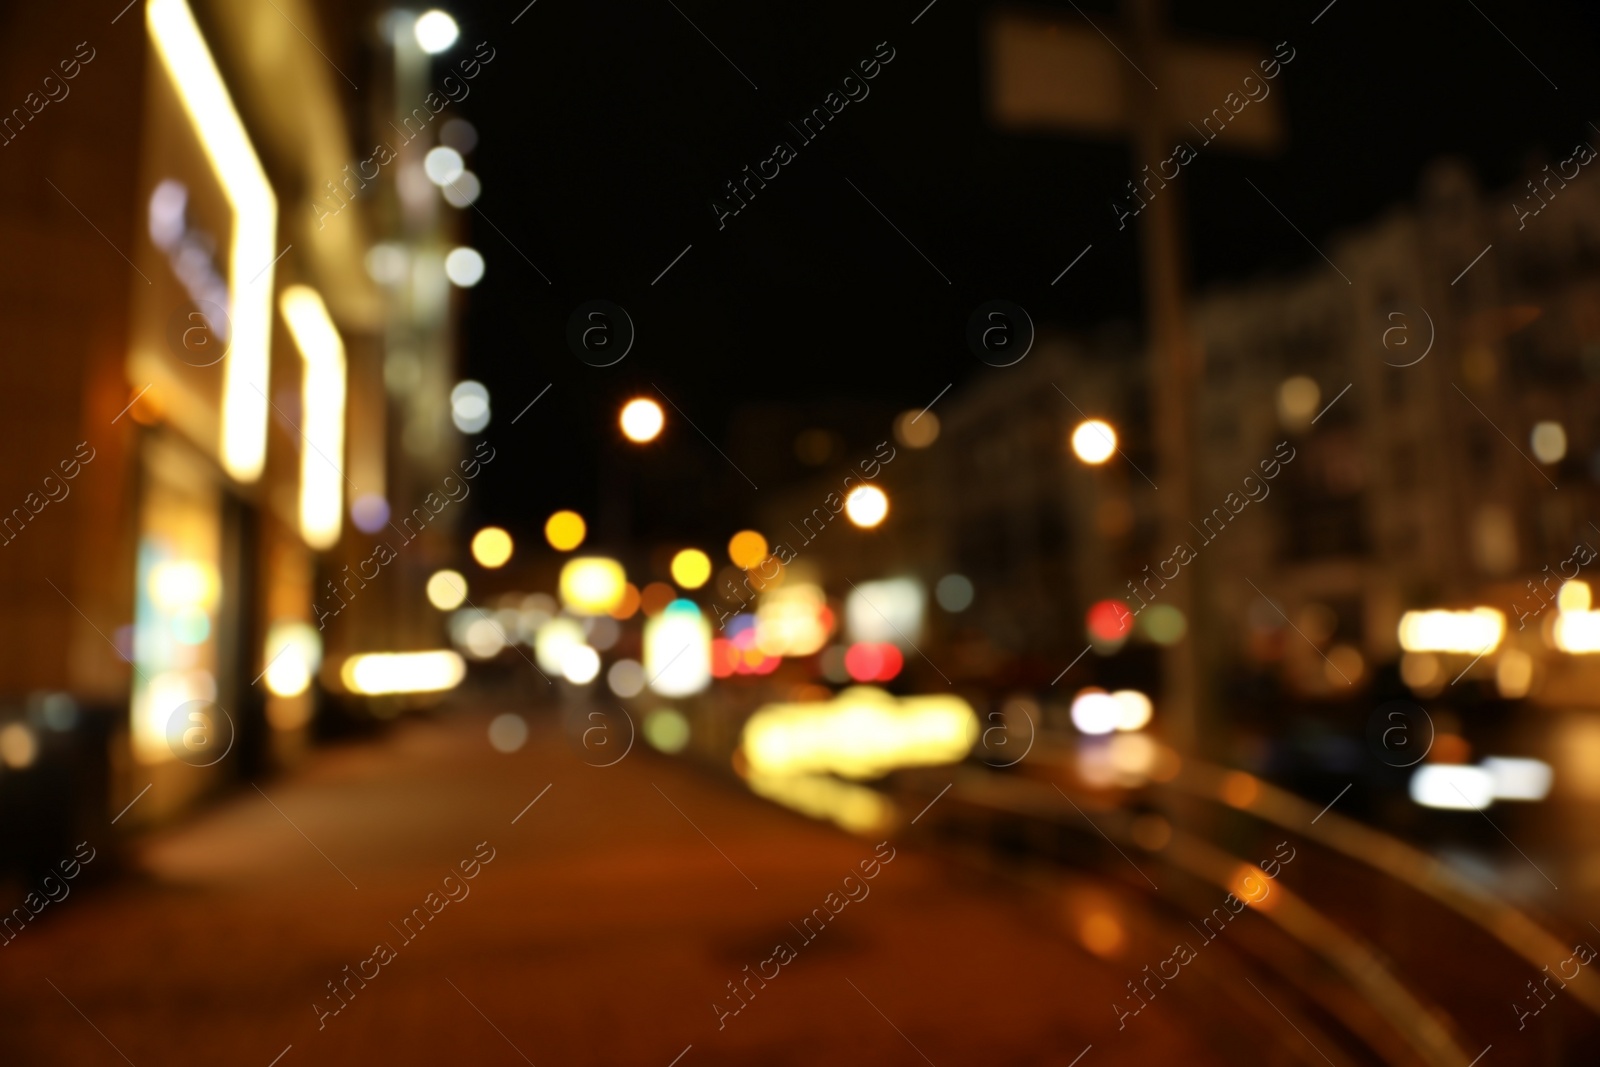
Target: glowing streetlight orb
(491,547)
(565,530)
(1094,441)
(446,590)
(747,548)
(436,31)
(866,506)
(642,420)
(691,568)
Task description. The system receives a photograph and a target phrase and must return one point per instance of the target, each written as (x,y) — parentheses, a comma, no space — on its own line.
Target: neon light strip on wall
(322,401)
(205,99)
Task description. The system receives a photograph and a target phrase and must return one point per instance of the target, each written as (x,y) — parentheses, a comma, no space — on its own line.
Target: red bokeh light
(724,658)
(892,662)
(866,661)
(1109,620)
(863,660)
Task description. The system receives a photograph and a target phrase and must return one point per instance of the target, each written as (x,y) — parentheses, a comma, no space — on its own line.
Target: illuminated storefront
(243,392)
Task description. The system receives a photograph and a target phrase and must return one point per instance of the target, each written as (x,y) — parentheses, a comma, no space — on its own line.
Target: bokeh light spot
(491,547)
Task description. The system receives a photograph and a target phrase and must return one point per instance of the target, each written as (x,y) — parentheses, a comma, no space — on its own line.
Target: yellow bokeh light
(628,605)
(654,598)
(862,733)
(446,590)
(293,653)
(1298,398)
(916,429)
(1513,675)
(1094,441)
(1239,790)
(857,809)
(1101,934)
(17,746)
(592,585)
(642,420)
(691,568)
(377,673)
(179,584)
(1574,596)
(866,506)
(792,621)
(1578,631)
(1252,887)
(565,530)
(747,548)
(1467,632)
(491,547)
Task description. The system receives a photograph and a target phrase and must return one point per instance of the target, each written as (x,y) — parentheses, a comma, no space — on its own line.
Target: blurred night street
(1016,532)
(601,895)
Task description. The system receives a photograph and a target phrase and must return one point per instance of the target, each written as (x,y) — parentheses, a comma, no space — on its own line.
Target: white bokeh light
(508,732)
(436,31)
(464,266)
(469,406)
(1096,712)
(443,165)
(580,664)
(626,678)
(1549,442)
(464,190)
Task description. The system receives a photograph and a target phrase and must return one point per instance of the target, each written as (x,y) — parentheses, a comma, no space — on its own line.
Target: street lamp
(866,506)
(642,420)
(436,31)
(1094,441)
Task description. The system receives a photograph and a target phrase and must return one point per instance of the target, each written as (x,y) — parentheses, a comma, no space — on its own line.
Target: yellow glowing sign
(378,673)
(1466,632)
(861,733)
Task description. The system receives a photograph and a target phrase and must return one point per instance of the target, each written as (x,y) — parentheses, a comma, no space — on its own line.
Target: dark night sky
(607,128)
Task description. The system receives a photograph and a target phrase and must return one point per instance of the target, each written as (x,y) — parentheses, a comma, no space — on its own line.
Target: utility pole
(1135,81)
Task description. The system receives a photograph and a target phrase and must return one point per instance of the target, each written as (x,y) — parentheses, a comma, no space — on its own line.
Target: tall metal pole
(1173,362)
